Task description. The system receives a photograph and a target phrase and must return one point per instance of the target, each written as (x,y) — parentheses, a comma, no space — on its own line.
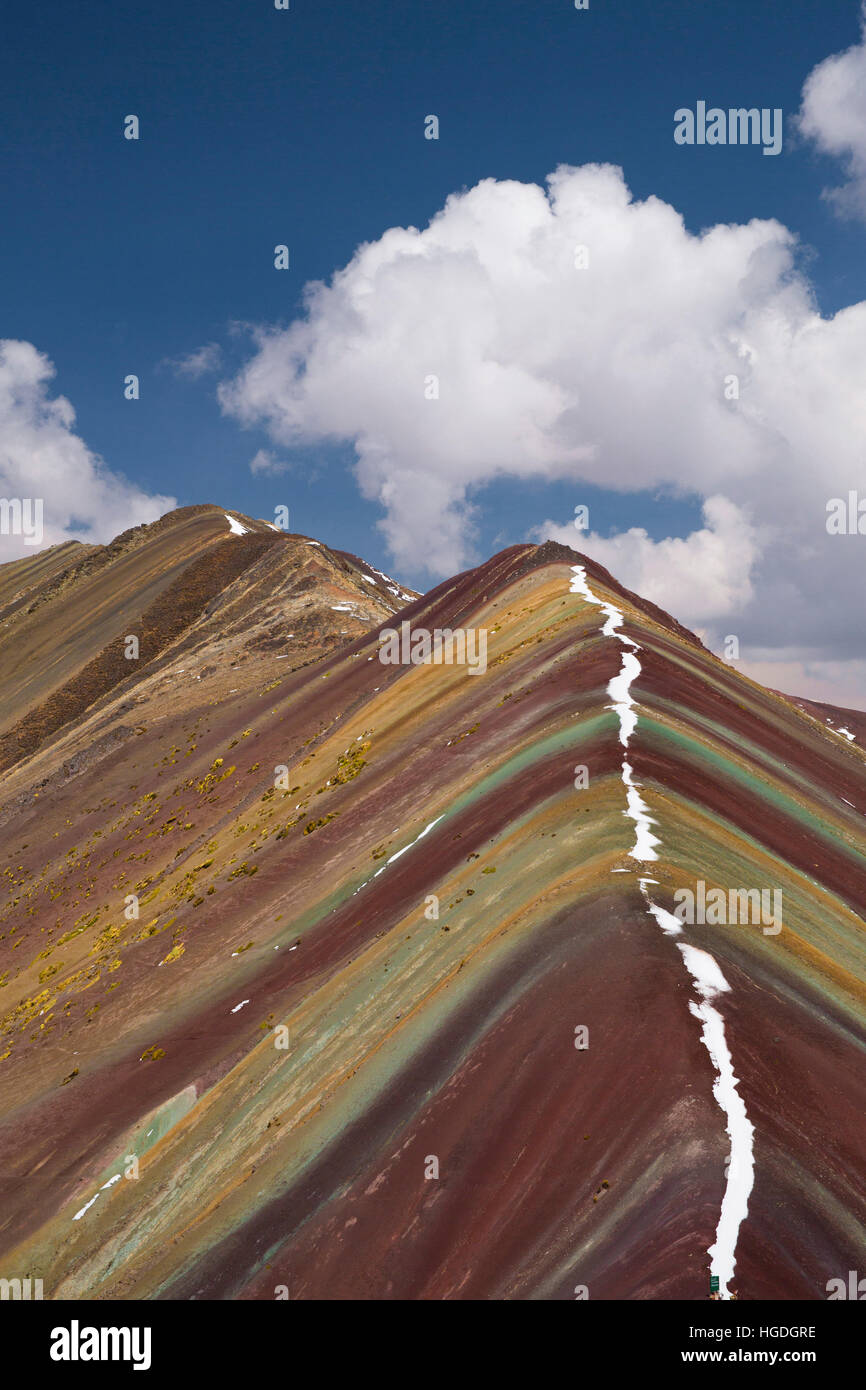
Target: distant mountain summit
(67,613)
(323,976)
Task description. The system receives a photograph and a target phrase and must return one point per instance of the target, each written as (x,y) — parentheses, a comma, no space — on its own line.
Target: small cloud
(265,462)
(833,116)
(199,363)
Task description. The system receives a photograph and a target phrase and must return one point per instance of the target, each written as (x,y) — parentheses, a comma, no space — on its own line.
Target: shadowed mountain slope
(401,1013)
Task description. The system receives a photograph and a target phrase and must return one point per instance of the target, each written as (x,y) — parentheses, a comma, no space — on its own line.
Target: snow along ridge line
(707,978)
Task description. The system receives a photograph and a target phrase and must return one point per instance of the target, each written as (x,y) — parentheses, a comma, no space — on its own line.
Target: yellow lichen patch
(244,868)
(107,937)
(27,1010)
(90,974)
(316,824)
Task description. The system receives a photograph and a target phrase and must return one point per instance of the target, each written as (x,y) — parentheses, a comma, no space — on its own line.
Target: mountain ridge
(283,839)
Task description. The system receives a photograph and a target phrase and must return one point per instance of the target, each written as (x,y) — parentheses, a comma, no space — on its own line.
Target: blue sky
(261,126)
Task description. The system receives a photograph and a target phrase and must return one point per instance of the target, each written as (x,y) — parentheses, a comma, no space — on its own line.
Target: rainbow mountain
(298,997)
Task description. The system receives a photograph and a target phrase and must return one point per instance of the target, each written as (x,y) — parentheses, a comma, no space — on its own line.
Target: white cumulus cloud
(478,349)
(41,456)
(700,578)
(833,115)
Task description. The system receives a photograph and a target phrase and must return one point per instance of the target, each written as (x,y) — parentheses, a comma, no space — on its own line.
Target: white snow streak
(707,978)
(645,841)
(398,854)
(709,981)
(619,690)
(409,846)
(237,529)
(78,1215)
(88,1205)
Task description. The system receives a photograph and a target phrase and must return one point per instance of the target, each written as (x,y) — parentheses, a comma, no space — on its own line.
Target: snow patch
(842,731)
(391,584)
